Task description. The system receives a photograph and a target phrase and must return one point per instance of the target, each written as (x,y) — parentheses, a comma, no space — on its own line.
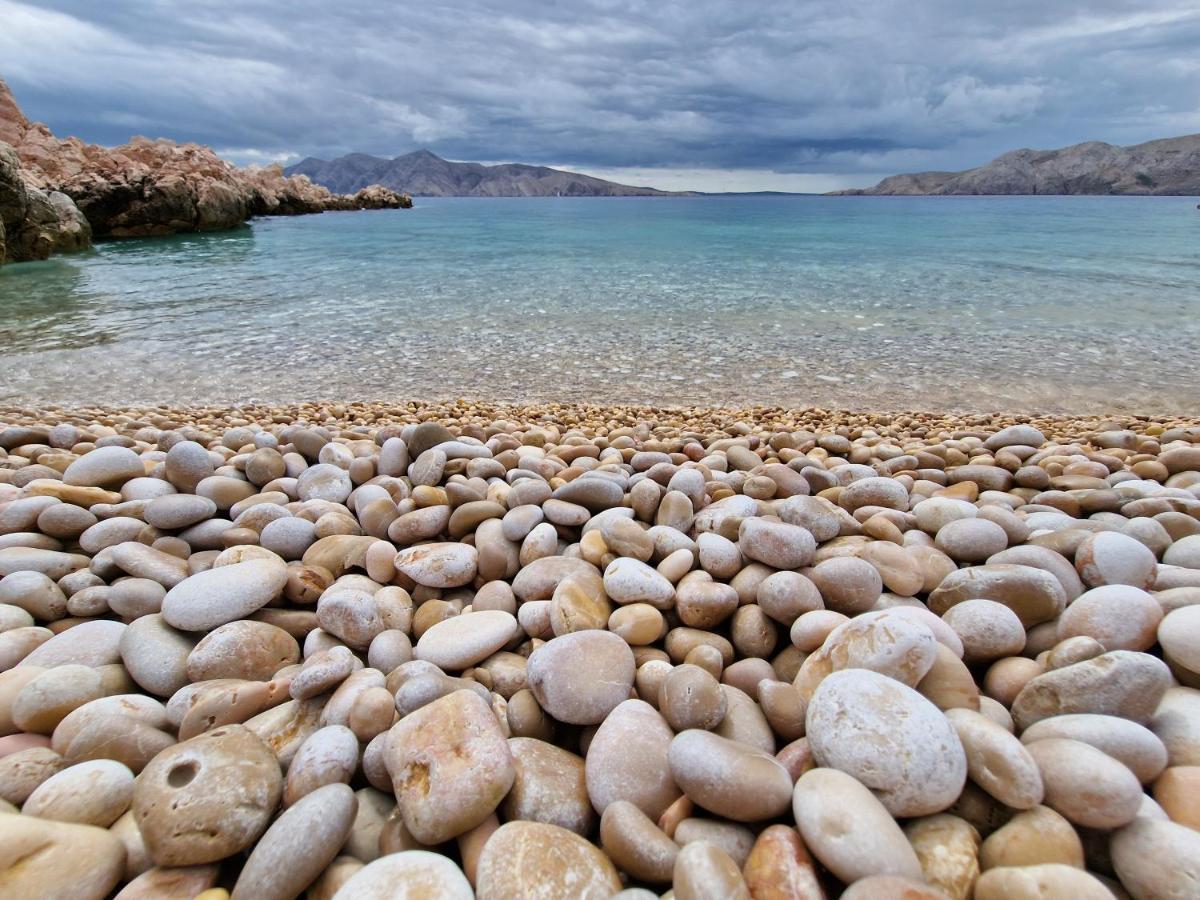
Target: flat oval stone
(778,544)
(1110,557)
(463,641)
(781,868)
(1088,787)
(442,565)
(1033,594)
(550,786)
(628,580)
(581,677)
(849,830)
(41,859)
(175,511)
(1119,616)
(1040,883)
(1155,858)
(733,780)
(1125,741)
(1121,683)
(253,651)
(298,845)
(92,644)
(704,871)
(1179,636)
(450,766)
(524,859)
(407,875)
(96,792)
(104,467)
(225,594)
(627,760)
(890,738)
(181,801)
(997,761)
(155,655)
(1031,838)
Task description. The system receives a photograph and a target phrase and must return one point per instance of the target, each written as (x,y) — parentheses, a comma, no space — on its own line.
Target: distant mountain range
(423,174)
(1169,167)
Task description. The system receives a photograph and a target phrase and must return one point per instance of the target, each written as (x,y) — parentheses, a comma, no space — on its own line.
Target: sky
(797,95)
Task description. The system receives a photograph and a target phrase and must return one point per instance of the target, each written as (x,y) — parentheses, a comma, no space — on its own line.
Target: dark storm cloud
(811,86)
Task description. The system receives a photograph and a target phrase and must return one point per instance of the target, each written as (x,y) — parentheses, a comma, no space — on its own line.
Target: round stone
(890,738)
(733,780)
(181,801)
(1087,786)
(463,641)
(1110,557)
(627,760)
(580,678)
(1119,616)
(224,594)
(524,859)
(407,875)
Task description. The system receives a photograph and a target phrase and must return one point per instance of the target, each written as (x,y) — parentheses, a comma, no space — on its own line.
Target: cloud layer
(773,90)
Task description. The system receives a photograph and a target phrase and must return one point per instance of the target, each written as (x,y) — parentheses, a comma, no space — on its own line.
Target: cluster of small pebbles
(363,651)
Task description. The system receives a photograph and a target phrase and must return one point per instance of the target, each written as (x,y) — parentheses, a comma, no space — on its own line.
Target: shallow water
(1048,304)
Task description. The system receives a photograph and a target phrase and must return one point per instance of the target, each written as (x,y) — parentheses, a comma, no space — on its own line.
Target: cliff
(423,174)
(1164,167)
(56,194)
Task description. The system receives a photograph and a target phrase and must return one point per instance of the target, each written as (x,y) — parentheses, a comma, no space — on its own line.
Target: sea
(1031,304)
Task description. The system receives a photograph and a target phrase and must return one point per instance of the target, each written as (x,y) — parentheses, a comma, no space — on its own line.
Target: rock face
(56,194)
(1170,166)
(422,174)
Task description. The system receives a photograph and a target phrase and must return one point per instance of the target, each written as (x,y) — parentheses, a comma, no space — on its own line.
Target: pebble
(450,766)
(620,625)
(627,759)
(298,846)
(407,875)
(890,738)
(1086,786)
(848,830)
(523,859)
(1040,883)
(580,678)
(731,779)
(90,793)
(467,640)
(43,858)
(180,800)
(1157,859)
(215,597)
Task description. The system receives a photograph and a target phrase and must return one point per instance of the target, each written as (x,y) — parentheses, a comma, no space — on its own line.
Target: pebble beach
(455,650)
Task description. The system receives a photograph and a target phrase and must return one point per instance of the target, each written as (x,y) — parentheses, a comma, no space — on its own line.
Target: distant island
(1169,167)
(424,174)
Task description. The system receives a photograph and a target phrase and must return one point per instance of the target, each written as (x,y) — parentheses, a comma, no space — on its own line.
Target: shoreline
(462,411)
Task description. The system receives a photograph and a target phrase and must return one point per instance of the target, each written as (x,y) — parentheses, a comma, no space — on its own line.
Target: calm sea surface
(1031,303)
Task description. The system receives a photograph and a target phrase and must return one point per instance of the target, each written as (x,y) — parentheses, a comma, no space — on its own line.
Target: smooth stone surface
(225,594)
(890,738)
(450,766)
(580,678)
(1044,882)
(466,640)
(733,780)
(1087,786)
(408,875)
(997,761)
(298,845)
(208,797)
(628,760)
(1157,860)
(1121,683)
(526,859)
(42,859)
(849,830)
(550,786)
(1127,742)
(96,792)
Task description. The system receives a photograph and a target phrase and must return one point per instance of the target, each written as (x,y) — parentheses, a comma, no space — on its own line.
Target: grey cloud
(791,86)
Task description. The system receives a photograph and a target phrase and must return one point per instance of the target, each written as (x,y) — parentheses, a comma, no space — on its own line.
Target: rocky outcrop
(1165,167)
(423,174)
(35,223)
(57,193)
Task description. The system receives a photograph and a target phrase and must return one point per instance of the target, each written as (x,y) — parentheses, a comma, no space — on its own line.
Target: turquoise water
(1033,303)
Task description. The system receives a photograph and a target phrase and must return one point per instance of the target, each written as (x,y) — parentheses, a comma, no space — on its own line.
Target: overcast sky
(704,94)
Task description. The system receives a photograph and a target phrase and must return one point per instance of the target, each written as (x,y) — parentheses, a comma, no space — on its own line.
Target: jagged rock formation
(423,174)
(1165,167)
(57,193)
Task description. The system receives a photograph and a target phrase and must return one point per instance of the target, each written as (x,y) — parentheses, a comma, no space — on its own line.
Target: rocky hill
(423,174)
(56,194)
(1169,167)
